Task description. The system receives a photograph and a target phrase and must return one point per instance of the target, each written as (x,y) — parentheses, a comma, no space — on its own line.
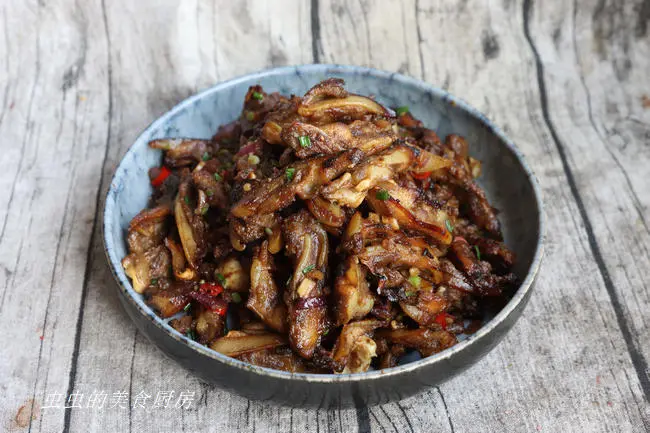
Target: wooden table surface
(568,81)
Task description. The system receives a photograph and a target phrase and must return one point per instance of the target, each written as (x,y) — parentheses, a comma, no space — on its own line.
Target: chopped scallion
(290,173)
(402,110)
(450,228)
(415,281)
(305,141)
(382,194)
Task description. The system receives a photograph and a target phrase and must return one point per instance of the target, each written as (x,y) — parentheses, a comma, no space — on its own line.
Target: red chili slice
(162,175)
(421,176)
(208,296)
(220,307)
(212,289)
(441,319)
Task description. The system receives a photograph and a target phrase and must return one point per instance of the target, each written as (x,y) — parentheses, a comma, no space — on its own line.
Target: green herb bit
(415,281)
(258,96)
(209,193)
(221,279)
(187,307)
(236,297)
(218,177)
(450,228)
(327,331)
(478,253)
(190,334)
(250,116)
(253,159)
(402,110)
(204,209)
(187,200)
(154,281)
(305,141)
(290,173)
(268,231)
(308,269)
(382,194)
(409,293)
(205,156)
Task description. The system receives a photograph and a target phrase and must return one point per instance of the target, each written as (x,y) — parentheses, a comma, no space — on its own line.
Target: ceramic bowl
(507,179)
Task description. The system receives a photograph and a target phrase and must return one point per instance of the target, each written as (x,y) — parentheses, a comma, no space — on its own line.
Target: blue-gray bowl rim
(474,339)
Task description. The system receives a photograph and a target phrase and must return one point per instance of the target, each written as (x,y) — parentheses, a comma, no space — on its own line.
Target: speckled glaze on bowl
(507,179)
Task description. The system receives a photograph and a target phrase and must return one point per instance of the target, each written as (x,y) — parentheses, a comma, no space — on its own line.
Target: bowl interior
(507,181)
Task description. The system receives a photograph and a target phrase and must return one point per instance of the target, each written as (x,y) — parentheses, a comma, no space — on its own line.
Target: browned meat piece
(307,244)
(182,325)
(399,252)
(178,261)
(331,215)
(351,292)
(237,343)
(222,248)
(454,278)
(390,357)
(425,305)
(243,231)
(182,152)
(208,325)
(191,227)
(351,188)
(277,359)
(304,180)
(265,297)
(496,253)
(410,211)
(277,120)
(426,341)
(370,137)
(352,107)
(408,121)
(479,273)
(227,136)
(147,267)
(147,229)
(479,210)
(215,191)
(329,88)
(355,347)
(257,104)
(172,300)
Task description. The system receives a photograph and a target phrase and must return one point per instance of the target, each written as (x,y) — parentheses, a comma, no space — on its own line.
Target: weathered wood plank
(140,94)
(562,372)
(79,81)
(54,135)
(608,54)
(489,74)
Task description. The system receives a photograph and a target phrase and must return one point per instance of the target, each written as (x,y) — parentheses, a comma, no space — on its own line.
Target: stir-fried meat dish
(323,233)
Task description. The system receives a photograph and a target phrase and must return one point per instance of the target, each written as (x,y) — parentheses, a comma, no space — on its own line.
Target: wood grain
(566,80)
